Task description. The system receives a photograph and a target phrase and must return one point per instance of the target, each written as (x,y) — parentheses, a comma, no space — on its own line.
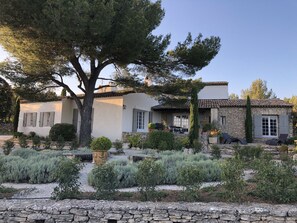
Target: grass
(7,192)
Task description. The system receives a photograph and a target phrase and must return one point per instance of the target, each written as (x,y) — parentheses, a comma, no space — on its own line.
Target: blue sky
(258,38)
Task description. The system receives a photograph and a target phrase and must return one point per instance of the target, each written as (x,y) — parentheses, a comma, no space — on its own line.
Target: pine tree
(248,121)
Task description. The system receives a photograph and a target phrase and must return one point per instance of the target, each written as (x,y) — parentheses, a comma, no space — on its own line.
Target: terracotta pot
(100,157)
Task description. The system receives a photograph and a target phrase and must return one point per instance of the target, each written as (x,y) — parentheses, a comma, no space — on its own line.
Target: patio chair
(227,139)
(282,139)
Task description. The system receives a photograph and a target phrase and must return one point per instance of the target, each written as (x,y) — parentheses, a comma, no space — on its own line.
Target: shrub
(32,134)
(232,173)
(101,143)
(67,175)
(67,131)
(74,144)
(7,147)
(276,181)
(60,144)
(197,146)
(33,168)
(126,175)
(155,139)
(290,141)
(23,141)
(134,140)
(105,181)
(36,142)
(215,152)
(149,174)
(248,153)
(118,144)
(47,143)
(190,177)
(24,153)
(18,134)
(185,141)
(178,144)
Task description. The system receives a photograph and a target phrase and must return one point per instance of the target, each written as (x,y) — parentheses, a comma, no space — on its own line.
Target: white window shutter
(34,119)
(257,126)
(283,124)
(41,119)
(52,118)
(25,120)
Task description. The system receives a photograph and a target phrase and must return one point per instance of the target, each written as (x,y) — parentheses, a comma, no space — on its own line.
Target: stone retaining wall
(49,211)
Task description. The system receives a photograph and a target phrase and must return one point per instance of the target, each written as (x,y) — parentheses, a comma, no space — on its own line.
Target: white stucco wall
(108,117)
(67,110)
(54,106)
(214,92)
(138,101)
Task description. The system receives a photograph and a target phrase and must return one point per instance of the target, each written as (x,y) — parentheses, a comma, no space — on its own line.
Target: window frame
(269,127)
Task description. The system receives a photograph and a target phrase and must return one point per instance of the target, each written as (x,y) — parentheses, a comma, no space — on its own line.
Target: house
(119,112)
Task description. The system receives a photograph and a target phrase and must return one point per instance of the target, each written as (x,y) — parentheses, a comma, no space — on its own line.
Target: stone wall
(235,118)
(49,211)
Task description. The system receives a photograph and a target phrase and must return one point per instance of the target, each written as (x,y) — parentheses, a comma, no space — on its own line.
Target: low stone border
(50,211)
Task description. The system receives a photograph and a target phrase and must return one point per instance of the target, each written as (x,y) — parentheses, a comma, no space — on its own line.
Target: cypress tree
(16,115)
(194,125)
(248,121)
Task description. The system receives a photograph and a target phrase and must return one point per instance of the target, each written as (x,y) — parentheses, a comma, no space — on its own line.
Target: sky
(258,39)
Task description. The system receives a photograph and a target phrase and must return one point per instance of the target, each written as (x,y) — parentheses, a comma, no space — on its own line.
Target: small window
(46,119)
(29,119)
(269,126)
(223,120)
(140,120)
(181,120)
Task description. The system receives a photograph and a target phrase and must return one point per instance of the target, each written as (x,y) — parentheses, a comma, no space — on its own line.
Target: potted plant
(151,126)
(100,146)
(213,136)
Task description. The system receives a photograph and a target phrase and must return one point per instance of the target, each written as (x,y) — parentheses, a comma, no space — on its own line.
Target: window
(46,119)
(140,120)
(269,125)
(223,120)
(181,120)
(29,119)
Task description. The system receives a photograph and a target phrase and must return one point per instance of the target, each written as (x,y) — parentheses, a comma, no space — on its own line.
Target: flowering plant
(214,132)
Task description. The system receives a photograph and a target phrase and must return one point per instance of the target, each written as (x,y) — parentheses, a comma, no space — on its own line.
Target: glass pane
(273,128)
(265,126)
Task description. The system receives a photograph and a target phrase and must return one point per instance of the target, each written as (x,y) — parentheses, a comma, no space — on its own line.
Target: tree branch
(72,94)
(75,63)
(103,86)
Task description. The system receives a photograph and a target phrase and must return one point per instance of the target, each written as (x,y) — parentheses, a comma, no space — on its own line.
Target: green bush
(105,181)
(248,153)
(24,153)
(18,134)
(156,138)
(47,143)
(276,181)
(7,147)
(290,141)
(60,144)
(31,135)
(33,168)
(149,175)
(134,140)
(126,175)
(36,142)
(67,175)
(101,143)
(232,176)
(190,176)
(197,146)
(216,152)
(118,144)
(67,131)
(23,141)
(74,144)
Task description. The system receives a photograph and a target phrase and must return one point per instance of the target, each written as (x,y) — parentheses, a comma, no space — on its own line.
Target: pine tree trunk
(16,115)
(86,120)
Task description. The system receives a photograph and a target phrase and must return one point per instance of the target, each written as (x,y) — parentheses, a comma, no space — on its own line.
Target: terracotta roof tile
(217,103)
